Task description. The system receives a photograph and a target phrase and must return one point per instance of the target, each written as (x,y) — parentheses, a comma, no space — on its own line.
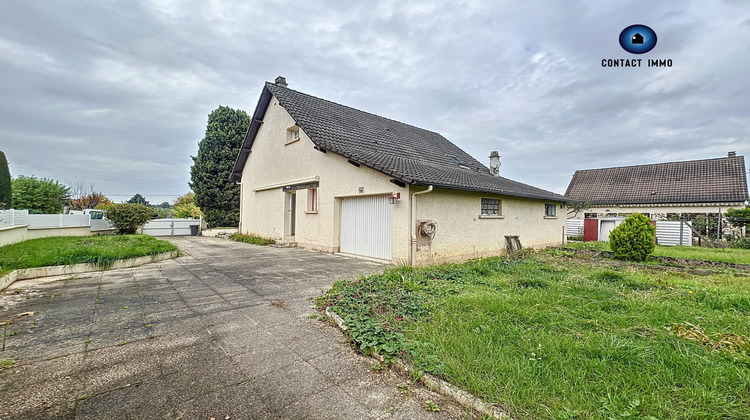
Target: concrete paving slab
(223,330)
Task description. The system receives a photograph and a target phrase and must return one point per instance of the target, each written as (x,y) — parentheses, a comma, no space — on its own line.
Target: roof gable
(410,154)
(717,180)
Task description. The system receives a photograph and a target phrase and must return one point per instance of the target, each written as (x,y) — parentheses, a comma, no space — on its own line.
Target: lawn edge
(464,398)
(59,270)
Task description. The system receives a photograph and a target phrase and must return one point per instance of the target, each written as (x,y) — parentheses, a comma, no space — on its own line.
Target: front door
(290,214)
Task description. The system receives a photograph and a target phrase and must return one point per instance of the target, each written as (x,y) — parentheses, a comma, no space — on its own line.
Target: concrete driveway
(225,331)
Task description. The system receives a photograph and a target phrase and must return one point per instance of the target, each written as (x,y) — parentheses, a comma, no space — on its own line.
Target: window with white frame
(550,210)
(312,200)
(292,134)
(491,207)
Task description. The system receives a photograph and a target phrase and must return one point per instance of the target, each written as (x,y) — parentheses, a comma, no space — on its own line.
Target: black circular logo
(638,39)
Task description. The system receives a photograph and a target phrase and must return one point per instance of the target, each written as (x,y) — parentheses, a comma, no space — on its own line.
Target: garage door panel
(366,226)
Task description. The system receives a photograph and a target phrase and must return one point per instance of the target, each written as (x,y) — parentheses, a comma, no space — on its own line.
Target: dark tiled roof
(718,180)
(404,152)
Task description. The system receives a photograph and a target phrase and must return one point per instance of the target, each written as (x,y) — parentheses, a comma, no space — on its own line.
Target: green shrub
(38,196)
(250,239)
(742,242)
(129,217)
(633,239)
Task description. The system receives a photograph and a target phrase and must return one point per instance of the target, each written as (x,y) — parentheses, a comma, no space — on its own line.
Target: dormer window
(292,134)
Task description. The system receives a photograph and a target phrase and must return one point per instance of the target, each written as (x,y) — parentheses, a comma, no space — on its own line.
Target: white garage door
(366,226)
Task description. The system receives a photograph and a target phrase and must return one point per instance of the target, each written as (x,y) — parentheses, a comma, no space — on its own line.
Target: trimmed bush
(129,217)
(634,239)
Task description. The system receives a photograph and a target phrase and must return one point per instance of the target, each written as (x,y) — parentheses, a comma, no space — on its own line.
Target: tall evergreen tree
(6,193)
(215,193)
(138,199)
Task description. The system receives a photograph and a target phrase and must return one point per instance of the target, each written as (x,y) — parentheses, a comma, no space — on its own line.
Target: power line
(98,178)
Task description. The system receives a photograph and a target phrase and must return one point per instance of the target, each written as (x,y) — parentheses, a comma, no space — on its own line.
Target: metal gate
(366,226)
(169,227)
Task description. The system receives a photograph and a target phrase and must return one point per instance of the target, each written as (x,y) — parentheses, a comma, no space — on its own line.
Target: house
(662,190)
(325,176)
(637,38)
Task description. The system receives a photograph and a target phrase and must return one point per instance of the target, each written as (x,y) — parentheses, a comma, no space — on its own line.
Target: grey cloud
(123,89)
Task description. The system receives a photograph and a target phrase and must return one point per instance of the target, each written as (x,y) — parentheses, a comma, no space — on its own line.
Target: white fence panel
(58,220)
(668,233)
(169,227)
(574,227)
(12,217)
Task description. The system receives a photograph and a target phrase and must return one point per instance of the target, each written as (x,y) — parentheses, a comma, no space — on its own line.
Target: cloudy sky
(114,95)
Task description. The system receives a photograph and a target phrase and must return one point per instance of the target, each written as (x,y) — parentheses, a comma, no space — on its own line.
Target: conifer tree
(215,193)
(6,193)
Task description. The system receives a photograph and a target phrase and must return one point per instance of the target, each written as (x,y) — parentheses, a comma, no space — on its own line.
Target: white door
(607,226)
(366,226)
(290,216)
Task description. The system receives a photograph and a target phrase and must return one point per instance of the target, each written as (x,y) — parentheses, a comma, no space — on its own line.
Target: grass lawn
(67,250)
(732,255)
(558,338)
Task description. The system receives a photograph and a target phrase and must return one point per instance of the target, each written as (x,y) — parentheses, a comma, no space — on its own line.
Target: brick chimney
(280,81)
(495,163)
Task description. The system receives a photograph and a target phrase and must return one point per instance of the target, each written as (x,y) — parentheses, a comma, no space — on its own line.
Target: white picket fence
(170,227)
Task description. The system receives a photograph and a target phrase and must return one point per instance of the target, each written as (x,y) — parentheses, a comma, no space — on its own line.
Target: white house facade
(324,176)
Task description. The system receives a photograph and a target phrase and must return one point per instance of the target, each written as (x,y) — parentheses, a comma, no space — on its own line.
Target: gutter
(413,226)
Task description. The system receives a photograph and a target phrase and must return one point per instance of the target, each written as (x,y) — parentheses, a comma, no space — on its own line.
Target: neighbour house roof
(720,180)
(406,153)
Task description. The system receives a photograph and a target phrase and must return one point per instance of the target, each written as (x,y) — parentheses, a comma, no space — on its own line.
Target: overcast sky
(115,95)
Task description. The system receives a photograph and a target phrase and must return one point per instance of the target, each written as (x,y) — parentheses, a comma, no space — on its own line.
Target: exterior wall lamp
(393,199)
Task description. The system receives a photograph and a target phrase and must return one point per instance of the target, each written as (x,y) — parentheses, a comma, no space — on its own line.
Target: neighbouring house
(662,190)
(325,176)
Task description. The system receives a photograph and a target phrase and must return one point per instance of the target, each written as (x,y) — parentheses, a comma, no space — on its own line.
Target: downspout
(242,188)
(414,224)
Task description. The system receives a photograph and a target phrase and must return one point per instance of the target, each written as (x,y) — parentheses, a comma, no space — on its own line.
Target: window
(550,210)
(491,207)
(312,200)
(292,135)
(590,215)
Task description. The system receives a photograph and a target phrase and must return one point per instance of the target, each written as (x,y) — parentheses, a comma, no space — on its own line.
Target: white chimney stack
(495,163)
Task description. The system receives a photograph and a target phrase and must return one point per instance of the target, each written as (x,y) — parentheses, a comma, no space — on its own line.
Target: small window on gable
(312,200)
(550,210)
(491,207)
(292,134)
